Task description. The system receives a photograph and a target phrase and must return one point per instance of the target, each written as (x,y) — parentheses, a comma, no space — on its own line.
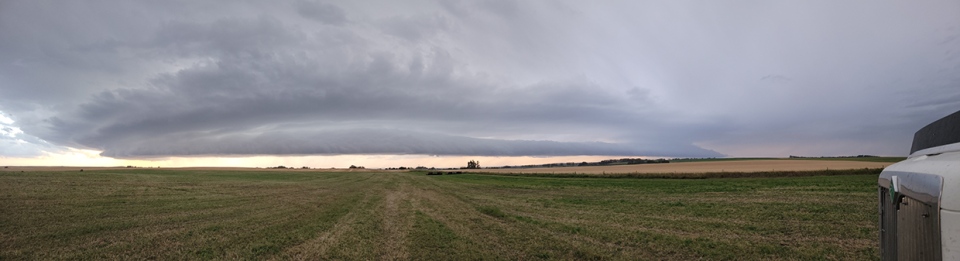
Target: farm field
(749,165)
(216,214)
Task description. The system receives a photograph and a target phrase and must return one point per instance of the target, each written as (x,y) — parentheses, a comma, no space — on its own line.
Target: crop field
(735,165)
(215,214)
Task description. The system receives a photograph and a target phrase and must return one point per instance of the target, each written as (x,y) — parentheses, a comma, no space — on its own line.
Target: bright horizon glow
(92,158)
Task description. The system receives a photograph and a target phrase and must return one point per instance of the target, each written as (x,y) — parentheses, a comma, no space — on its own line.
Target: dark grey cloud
(416,28)
(322,12)
(364,141)
(155,79)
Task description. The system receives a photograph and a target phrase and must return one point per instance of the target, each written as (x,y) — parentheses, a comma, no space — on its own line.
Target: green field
(170,214)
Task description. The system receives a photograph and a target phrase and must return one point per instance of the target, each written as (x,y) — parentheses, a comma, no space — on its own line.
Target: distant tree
(473,164)
(353,167)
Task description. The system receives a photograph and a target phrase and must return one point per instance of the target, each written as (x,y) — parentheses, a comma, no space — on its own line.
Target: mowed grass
(169,214)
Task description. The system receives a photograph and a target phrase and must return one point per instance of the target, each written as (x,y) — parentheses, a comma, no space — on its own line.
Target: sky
(436,83)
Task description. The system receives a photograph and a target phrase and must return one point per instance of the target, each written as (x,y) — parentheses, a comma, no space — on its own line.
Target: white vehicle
(920,197)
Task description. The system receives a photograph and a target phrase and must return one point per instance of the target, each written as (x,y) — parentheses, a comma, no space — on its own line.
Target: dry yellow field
(704,167)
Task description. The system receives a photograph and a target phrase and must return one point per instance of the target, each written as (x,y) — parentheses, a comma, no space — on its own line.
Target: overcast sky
(161,79)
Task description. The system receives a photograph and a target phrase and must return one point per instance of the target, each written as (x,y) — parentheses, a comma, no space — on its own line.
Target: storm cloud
(493,78)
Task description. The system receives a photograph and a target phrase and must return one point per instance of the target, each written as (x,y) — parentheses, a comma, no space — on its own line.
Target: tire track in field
(396,225)
(317,248)
(583,246)
(503,238)
(449,207)
(463,219)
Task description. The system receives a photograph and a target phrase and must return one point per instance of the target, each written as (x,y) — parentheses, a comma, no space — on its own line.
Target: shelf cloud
(493,78)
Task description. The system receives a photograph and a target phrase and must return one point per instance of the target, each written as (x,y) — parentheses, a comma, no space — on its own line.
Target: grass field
(197,214)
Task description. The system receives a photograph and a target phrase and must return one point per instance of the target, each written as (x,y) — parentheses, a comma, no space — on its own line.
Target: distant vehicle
(920,197)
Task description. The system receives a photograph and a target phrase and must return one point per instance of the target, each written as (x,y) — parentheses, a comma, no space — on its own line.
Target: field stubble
(180,214)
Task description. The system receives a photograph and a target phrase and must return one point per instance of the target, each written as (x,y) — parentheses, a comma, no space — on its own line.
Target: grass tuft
(491,211)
